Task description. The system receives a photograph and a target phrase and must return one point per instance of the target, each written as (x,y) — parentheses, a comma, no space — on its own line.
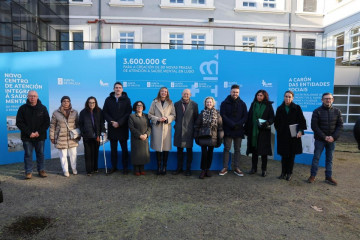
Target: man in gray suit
(186,115)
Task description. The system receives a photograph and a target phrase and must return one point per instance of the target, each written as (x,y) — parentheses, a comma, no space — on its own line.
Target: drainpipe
(289,41)
(99,26)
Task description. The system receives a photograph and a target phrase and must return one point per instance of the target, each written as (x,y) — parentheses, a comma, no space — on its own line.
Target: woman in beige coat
(60,134)
(161,114)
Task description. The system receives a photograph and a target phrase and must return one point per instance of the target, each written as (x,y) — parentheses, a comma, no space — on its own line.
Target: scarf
(210,117)
(66,112)
(258,111)
(184,104)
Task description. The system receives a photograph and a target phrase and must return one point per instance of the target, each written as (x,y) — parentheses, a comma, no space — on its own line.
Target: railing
(348,58)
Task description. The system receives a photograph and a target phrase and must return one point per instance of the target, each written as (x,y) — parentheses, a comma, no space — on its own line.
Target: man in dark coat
(117,109)
(327,123)
(357,132)
(234,114)
(186,114)
(33,121)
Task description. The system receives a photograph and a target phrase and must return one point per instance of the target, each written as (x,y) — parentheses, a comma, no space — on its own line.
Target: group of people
(210,129)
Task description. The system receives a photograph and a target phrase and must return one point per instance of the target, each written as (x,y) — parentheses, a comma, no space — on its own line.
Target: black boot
(202,174)
(189,157)
(282,176)
(158,159)
(165,158)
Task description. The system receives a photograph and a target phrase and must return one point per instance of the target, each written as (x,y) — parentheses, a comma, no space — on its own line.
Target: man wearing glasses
(326,122)
(33,120)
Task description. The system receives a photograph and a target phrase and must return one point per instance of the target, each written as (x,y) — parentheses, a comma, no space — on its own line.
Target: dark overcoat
(287,145)
(140,152)
(88,130)
(184,124)
(119,112)
(264,137)
(234,115)
(217,132)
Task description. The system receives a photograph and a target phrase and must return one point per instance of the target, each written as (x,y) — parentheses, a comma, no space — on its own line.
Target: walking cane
(103,143)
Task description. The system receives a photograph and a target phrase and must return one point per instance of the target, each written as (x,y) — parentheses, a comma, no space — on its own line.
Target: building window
(339,48)
(347,99)
(186,38)
(269,4)
(198,1)
(310,6)
(78,40)
(355,42)
(249,4)
(260,5)
(308,47)
(248,41)
(198,41)
(269,44)
(63,39)
(127,40)
(188,4)
(73,40)
(125,37)
(176,40)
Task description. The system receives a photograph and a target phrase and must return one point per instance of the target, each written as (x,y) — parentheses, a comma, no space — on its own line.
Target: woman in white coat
(63,120)
(161,114)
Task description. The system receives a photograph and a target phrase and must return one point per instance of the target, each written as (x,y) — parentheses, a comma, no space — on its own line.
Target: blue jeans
(28,157)
(329,152)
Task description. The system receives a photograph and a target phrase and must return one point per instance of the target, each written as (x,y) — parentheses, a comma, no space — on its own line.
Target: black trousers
(91,147)
(287,164)
(180,158)
(114,153)
(206,157)
(255,158)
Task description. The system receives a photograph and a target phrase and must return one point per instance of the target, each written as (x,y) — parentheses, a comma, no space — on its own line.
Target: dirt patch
(26,227)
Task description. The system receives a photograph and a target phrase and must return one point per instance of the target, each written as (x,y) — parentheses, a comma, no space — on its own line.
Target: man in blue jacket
(33,120)
(234,114)
(327,123)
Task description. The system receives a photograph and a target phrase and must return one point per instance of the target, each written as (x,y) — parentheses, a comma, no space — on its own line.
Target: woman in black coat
(139,125)
(258,130)
(209,119)
(91,122)
(288,113)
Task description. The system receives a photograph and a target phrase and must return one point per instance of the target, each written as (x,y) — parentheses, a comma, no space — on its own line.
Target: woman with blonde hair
(161,114)
(208,134)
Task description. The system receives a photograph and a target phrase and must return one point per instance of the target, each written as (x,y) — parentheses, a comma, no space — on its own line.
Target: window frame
(187,4)
(279,36)
(259,6)
(165,37)
(115,36)
(347,104)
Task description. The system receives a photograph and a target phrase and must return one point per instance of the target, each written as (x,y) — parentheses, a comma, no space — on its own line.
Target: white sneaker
(223,172)
(66,174)
(75,172)
(238,172)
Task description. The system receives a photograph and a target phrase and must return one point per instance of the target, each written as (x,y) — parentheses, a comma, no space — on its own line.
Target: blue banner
(80,74)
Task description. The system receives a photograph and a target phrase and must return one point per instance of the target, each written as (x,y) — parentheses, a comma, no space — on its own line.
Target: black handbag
(205,132)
